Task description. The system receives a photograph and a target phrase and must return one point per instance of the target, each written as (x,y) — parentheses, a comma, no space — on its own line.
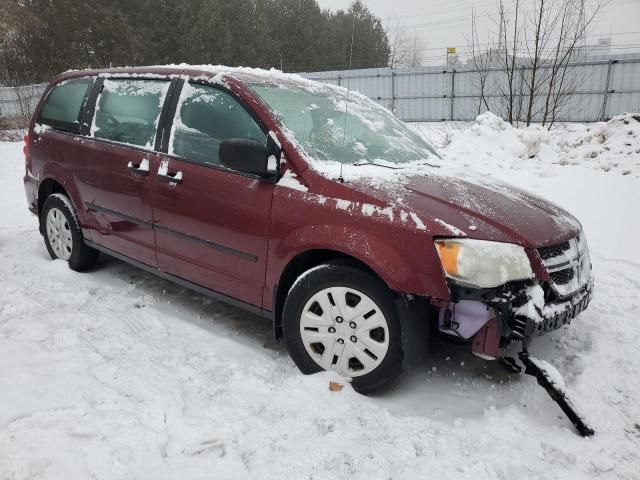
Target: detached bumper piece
(547,381)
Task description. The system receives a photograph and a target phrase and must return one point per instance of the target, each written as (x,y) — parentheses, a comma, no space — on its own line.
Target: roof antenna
(346,107)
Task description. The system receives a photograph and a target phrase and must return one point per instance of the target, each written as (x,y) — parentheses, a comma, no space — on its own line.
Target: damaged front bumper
(551,316)
(493,318)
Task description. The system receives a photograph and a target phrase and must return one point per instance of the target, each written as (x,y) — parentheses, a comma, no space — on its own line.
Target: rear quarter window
(63,104)
(128,111)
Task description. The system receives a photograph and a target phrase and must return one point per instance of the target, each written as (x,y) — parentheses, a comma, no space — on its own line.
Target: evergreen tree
(45,37)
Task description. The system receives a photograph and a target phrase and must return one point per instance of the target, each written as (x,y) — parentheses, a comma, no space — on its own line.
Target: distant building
(601,47)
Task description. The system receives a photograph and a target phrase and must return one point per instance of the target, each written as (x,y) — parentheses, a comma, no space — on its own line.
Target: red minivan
(304,203)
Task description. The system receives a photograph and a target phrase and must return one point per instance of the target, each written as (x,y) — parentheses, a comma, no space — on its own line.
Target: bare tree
(398,41)
(403,46)
(508,44)
(540,50)
(414,53)
(482,60)
(561,78)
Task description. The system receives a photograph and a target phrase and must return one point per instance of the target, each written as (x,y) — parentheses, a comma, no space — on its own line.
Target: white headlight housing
(482,263)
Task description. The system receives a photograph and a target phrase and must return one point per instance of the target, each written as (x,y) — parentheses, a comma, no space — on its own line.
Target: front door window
(204,118)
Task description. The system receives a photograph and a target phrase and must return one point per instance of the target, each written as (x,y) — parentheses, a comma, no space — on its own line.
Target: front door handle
(139,169)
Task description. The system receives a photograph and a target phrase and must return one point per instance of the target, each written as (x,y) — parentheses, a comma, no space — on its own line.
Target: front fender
(403,257)
(369,249)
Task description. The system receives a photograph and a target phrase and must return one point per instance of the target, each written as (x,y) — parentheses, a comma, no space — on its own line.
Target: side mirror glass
(245,155)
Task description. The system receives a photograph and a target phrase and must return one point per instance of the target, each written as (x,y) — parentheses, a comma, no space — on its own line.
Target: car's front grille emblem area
(568,264)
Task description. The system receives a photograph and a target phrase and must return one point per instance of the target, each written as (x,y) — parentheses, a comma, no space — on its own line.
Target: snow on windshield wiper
(424,162)
(367,162)
(393,166)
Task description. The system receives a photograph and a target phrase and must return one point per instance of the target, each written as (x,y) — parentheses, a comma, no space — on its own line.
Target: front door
(211,223)
(113,173)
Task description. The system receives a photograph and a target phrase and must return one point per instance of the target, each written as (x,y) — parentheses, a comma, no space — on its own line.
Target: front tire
(338,317)
(62,234)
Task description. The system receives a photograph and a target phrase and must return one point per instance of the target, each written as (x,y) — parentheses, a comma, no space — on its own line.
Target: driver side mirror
(250,156)
(244,155)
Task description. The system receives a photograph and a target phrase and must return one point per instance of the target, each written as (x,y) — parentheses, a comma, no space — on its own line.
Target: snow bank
(611,146)
(490,141)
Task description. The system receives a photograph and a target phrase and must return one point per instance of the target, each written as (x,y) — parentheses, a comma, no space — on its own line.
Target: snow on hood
(458,203)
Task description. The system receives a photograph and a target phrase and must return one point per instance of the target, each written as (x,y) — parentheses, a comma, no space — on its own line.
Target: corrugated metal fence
(603,88)
(19,101)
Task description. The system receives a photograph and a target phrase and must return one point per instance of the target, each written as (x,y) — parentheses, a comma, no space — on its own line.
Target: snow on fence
(604,88)
(19,101)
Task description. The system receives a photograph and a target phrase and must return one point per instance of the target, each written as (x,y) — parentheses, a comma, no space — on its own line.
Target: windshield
(333,127)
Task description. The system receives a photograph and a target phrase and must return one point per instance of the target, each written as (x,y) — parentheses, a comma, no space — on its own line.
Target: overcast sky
(447,23)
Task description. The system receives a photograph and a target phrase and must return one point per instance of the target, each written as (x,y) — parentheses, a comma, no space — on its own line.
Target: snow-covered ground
(116,374)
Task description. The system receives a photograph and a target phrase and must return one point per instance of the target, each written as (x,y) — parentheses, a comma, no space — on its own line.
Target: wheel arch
(48,187)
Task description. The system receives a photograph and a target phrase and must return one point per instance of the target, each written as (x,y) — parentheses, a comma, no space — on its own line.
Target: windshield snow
(333,126)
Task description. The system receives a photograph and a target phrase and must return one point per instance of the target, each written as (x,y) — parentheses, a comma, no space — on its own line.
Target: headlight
(481,263)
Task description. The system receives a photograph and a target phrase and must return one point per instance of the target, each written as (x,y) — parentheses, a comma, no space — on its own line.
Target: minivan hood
(454,203)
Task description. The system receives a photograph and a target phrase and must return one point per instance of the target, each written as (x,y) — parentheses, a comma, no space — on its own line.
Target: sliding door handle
(140,169)
(170,177)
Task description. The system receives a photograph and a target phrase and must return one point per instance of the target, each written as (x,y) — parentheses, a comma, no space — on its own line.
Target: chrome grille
(568,265)
(553,251)
(562,277)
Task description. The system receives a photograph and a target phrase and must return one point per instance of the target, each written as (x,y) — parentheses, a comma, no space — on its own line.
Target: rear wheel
(340,318)
(62,234)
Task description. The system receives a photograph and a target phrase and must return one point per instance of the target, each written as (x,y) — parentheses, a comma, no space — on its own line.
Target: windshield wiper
(393,167)
(367,162)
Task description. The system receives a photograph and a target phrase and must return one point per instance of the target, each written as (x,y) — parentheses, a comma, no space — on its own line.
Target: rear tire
(338,317)
(62,234)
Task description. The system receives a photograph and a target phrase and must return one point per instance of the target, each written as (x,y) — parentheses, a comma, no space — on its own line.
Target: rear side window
(204,118)
(128,111)
(62,107)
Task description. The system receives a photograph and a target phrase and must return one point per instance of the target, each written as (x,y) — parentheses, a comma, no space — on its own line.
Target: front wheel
(62,234)
(340,318)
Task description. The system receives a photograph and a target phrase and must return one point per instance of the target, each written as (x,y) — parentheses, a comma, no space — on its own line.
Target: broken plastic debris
(335,386)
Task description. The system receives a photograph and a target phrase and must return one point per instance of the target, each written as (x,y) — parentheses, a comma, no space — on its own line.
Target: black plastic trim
(167,122)
(184,283)
(167,107)
(90,107)
(222,168)
(106,141)
(230,250)
(277,322)
(99,208)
